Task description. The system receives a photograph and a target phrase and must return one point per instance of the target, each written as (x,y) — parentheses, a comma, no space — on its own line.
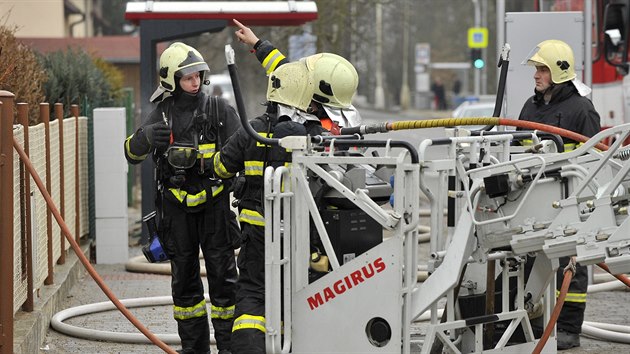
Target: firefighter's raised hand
(245,34)
(158,134)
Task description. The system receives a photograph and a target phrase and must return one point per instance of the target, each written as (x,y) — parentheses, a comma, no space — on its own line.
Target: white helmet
(336,82)
(336,79)
(178,60)
(291,84)
(558,57)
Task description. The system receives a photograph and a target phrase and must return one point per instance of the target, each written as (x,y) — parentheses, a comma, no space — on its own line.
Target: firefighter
(333,108)
(289,92)
(336,82)
(183,132)
(559,100)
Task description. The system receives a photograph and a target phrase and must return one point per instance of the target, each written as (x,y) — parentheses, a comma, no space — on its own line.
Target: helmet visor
(181,157)
(533,58)
(344,117)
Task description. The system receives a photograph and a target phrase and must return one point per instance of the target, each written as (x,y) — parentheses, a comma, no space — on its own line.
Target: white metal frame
(339,309)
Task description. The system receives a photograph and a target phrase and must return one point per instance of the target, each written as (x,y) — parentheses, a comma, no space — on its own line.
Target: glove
(158,134)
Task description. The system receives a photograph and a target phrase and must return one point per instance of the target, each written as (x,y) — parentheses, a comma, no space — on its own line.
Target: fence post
(6,221)
(77,195)
(44,116)
(27,234)
(62,193)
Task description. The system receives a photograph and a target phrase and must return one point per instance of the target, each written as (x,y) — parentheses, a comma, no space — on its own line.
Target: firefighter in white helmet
(182,133)
(559,100)
(336,81)
(289,92)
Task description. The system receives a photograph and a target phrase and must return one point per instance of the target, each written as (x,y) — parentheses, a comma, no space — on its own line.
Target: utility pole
(404,90)
(477,77)
(484,71)
(379,93)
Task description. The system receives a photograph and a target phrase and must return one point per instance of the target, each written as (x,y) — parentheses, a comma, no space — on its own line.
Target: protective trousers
(185,232)
(572,313)
(248,333)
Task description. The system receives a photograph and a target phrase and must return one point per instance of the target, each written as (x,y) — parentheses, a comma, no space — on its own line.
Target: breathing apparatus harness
(172,166)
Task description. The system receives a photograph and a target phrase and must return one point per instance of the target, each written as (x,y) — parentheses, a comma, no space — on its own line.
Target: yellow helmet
(178,60)
(291,84)
(336,79)
(557,56)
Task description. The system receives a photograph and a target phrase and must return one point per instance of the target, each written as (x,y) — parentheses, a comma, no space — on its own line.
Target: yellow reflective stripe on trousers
(224,313)
(252,217)
(219,168)
(249,322)
(185,313)
(135,157)
(271,61)
(573,297)
(191,199)
(206,151)
(254,168)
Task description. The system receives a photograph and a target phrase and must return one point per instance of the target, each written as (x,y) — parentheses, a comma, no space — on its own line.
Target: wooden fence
(31,241)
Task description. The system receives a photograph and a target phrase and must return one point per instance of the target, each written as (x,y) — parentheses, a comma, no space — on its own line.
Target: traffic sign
(478,37)
(423,53)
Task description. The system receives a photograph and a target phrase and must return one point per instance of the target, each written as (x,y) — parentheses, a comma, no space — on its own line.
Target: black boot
(567,340)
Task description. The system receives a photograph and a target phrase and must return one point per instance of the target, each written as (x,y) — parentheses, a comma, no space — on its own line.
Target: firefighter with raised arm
(183,132)
(559,100)
(336,81)
(289,92)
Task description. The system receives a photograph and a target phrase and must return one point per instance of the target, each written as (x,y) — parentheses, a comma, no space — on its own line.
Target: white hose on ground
(607,286)
(139,264)
(57,322)
(604,277)
(606,331)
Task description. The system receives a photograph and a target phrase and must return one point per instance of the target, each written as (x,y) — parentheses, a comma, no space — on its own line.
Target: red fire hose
(86,263)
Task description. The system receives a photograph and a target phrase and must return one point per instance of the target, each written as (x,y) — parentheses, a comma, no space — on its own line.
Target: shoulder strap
(215,120)
(167,107)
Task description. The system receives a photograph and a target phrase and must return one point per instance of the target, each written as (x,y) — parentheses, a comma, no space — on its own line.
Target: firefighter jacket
(269,56)
(243,153)
(194,121)
(566,109)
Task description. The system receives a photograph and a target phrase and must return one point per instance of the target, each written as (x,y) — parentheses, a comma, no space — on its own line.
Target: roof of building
(113,49)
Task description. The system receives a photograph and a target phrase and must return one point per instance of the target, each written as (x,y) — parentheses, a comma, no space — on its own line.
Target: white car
(474,109)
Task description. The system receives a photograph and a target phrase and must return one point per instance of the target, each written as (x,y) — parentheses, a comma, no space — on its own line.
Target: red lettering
(356,276)
(339,288)
(315,300)
(379,264)
(368,271)
(348,283)
(328,294)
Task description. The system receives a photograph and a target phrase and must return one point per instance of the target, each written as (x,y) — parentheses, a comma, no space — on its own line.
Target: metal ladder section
(368,305)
